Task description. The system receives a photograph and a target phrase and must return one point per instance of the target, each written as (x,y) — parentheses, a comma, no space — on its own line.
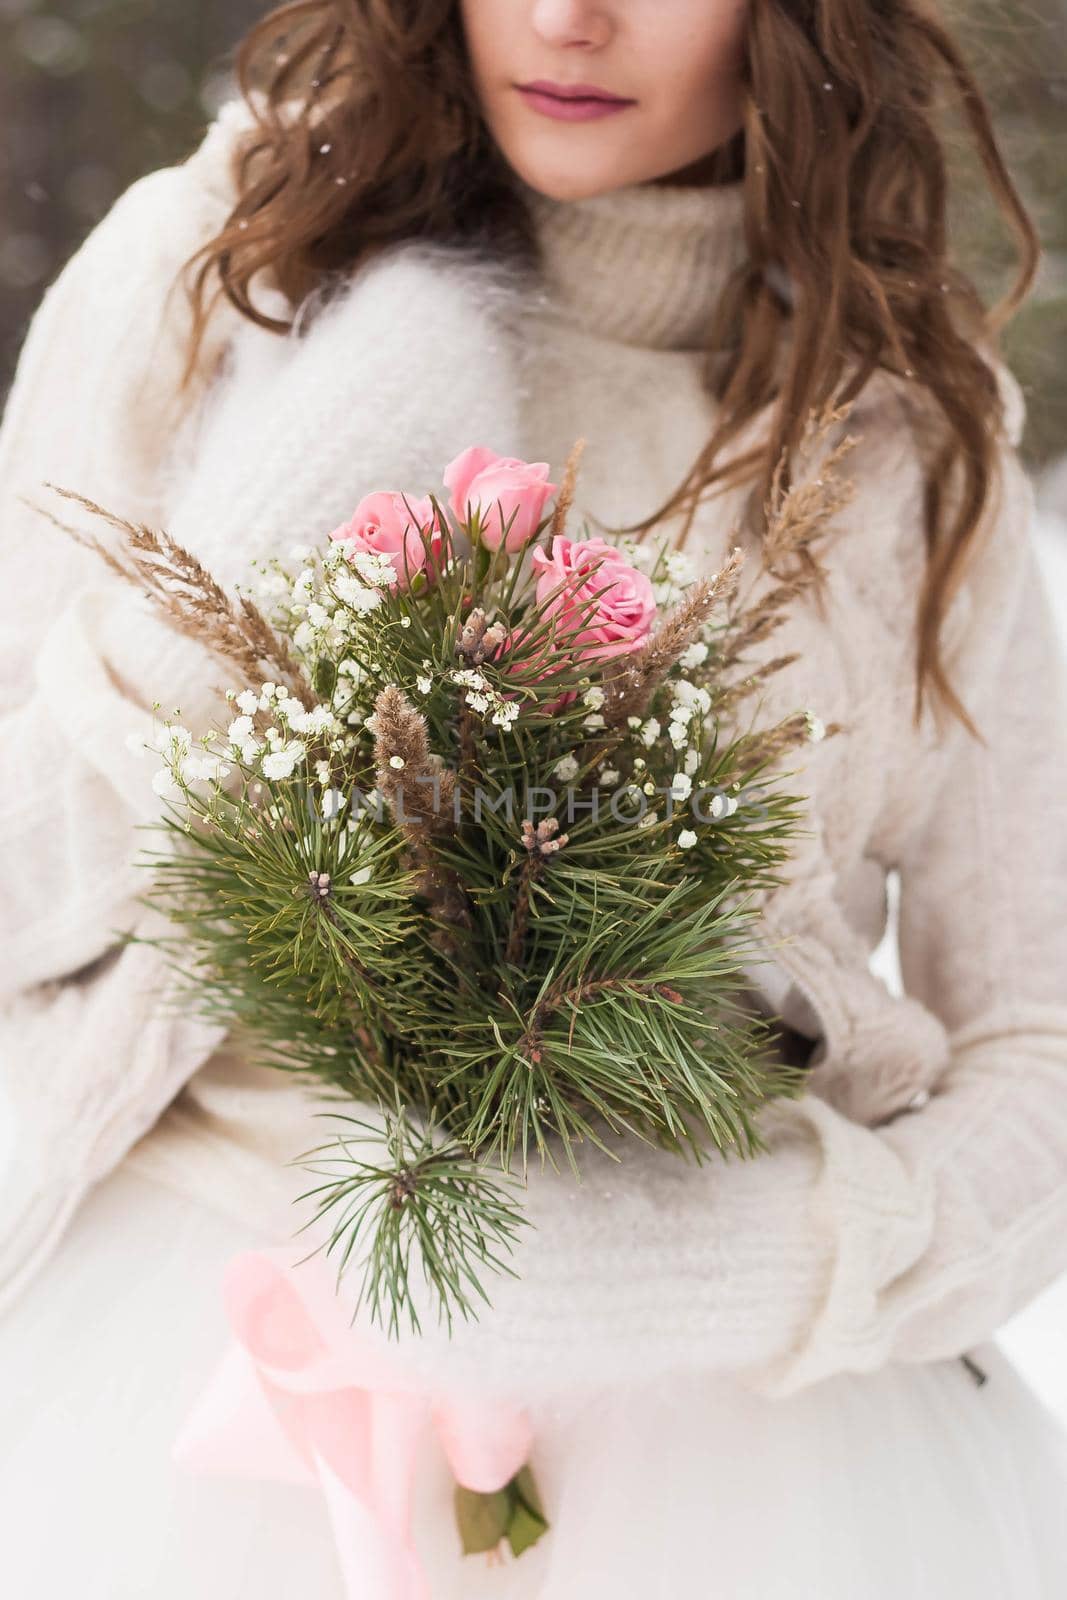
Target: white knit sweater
(878,1227)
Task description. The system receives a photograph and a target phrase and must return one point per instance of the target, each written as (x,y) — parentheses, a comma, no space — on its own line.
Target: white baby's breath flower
(650,732)
(282,763)
(610,775)
(506,715)
(349,591)
(248,701)
(692,761)
(320,719)
(240,729)
(333,803)
(723,805)
(481,695)
(318,615)
(694,656)
(210,767)
(374,568)
(687,839)
(471,677)
(633,722)
(371,723)
(397,762)
(594,697)
(165,784)
(680,567)
(593,720)
(647,820)
(681,786)
(678,734)
(423,684)
(566,768)
(816,727)
(649,787)
(691,694)
(680,712)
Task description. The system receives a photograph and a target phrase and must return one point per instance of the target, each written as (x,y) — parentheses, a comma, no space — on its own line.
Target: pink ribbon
(302,1397)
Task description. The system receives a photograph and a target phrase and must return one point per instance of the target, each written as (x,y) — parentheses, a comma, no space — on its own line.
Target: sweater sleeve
(846,1246)
(93,408)
(89,1055)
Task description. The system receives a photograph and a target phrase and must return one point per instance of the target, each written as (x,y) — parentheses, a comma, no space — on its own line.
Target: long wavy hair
(368,131)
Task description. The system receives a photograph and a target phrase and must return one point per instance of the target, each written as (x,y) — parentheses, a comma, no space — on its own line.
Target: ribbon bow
(302,1397)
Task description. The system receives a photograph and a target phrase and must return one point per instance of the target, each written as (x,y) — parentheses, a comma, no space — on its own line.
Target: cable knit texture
(915,1197)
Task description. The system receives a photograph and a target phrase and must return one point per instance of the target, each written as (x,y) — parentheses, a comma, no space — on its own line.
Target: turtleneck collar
(644,264)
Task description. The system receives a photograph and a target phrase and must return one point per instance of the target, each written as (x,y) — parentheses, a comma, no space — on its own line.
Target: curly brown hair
(368,131)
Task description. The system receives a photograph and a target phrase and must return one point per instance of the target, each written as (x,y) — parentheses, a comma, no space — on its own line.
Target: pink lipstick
(574,102)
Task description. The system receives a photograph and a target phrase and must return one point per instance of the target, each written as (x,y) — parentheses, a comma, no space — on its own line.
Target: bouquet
(476,845)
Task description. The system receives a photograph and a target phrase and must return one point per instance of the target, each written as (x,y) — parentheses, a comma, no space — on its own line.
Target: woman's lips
(572,110)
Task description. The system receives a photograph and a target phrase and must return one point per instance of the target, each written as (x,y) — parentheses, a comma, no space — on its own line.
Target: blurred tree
(1019,55)
(95,92)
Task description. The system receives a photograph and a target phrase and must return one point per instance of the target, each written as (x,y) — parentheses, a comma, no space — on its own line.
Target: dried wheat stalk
(418,790)
(797,519)
(565,497)
(637,677)
(190,598)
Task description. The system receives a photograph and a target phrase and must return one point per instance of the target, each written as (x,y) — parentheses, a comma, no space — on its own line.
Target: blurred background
(93,93)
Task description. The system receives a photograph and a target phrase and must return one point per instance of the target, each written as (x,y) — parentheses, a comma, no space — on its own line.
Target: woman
(742,1379)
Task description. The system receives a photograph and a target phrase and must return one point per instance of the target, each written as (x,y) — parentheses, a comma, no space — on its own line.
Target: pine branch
(420,1201)
(541,843)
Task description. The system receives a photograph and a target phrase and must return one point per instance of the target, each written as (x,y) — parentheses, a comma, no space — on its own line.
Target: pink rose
(606,607)
(382,523)
(501,485)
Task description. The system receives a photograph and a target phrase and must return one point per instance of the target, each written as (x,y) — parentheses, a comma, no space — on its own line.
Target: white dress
(913,1483)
